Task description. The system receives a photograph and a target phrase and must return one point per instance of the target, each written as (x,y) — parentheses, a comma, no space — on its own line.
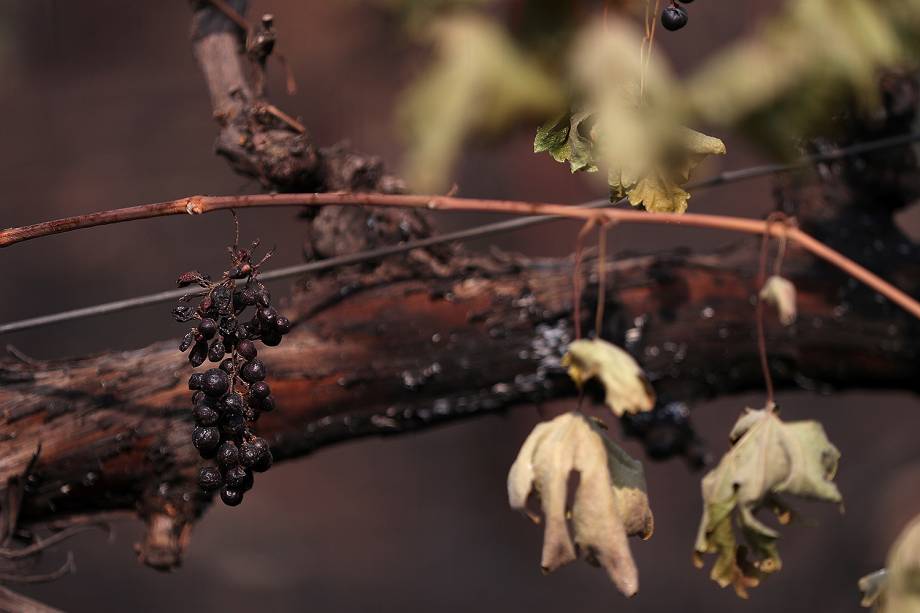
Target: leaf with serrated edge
(768,457)
(553,137)
(480,82)
(610,502)
(780,294)
(896,588)
(562,138)
(628,389)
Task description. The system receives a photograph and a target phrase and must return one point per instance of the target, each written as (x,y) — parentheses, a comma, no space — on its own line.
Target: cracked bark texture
(436,336)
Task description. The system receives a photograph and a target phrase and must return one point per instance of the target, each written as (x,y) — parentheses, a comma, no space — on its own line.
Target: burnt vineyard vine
(233,314)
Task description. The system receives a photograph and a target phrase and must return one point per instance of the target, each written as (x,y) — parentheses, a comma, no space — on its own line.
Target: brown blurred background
(102,106)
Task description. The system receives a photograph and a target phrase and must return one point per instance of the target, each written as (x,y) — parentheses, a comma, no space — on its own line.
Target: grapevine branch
(197,205)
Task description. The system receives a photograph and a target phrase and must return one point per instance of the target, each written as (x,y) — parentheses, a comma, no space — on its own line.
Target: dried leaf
(780,293)
(610,501)
(896,588)
(768,457)
(479,82)
(658,195)
(628,389)
(636,137)
(781,81)
(872,587)
(565,139)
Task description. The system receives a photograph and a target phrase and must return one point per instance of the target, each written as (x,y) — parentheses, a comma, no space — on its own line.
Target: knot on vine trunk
(165,539)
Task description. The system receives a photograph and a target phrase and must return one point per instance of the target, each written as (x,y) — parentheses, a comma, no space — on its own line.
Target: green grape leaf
(553,137)
(768,457)
(610,501)
(564,139)
(896,588)
(628,389)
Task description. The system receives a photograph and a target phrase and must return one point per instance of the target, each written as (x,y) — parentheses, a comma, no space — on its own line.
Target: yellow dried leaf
(636,137)
(768,457)
(780,293)
(658,196)
(480,82)
(610,502)
(896,588)
(628,389)
(780,81)
(872,587)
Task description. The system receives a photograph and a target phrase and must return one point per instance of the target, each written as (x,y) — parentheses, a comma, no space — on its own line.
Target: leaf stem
(576,274)
(601,279)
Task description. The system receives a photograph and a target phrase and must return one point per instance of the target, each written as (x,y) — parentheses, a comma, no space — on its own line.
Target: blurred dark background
(102,106)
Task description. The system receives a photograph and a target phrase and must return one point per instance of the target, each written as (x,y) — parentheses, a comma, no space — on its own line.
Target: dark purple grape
(187,340)
(183,313)
(207,327)
(674,18)
(227,366)
(238,478)
(205,415)
(248,296)
(215,382)
(234,403)
(282,325)
(209,478)
(264,297)
(222,298)
(268,316)
(195,381)
(247,349)
(260,389)
(230,496)
(232,425)
(252,371)
(259,443)
(198,354)
(266,404)
(206,439)
(216,351)
(271,339)
(228,455)
(228,326)
(249,454)
(264,461)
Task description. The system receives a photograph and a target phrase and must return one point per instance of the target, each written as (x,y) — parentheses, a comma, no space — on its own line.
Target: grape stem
(197,205)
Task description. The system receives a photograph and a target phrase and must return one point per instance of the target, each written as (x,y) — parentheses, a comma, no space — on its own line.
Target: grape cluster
(674,17)
(228,399)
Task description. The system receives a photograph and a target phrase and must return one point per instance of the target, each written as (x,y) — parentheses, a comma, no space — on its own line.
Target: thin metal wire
(723,178)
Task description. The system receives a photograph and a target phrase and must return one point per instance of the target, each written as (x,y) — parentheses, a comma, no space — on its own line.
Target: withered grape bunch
(233,313)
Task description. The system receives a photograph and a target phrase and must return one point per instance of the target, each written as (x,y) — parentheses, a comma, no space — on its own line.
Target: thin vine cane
(196,205)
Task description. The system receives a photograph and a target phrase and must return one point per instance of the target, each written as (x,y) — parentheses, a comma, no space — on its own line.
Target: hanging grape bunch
(228,399)
(674,17)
